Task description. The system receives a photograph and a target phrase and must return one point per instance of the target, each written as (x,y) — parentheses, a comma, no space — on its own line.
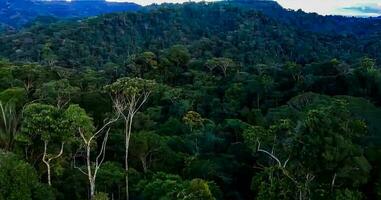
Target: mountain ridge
(17,13)
(124,34)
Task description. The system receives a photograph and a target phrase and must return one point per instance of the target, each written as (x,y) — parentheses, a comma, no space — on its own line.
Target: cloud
(371,9)
(334,7)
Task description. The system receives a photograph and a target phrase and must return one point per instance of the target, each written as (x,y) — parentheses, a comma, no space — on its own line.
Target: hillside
(312,21)
(113,37)
(15,13)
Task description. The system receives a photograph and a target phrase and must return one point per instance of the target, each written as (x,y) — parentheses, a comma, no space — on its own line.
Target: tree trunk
(92,190)
(128,124)
(47,163)
(49,175)
(89,174)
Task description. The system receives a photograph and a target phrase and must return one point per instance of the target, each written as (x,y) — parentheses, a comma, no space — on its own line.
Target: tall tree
(82,124)
(129,95)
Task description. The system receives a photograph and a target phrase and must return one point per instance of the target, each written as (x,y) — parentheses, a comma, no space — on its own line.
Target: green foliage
(44,121)
(178,55)
(193,119)
(198,189)
(278,187)
(148,147)
(347,194)
(242,105)
(9,124)
(30,75)
(322,144)
(167,187)
(101,196)
(111,176)
(144,63)
(224,65)
(78,119)
(15,96)
(58,93)
(19,181)
(131,86)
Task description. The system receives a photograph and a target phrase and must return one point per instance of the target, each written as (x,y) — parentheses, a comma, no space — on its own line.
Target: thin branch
(104,126)
(146,95)
(45,154)
(3,113)
(285,163)
(74,163)
(101,154)
(333,181)
(82,135)
(268,153)
(75,167)
(59,154)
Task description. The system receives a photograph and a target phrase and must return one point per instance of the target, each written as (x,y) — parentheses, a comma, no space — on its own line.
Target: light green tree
(46,122)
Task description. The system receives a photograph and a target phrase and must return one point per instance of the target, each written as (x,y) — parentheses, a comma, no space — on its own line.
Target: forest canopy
(198,101)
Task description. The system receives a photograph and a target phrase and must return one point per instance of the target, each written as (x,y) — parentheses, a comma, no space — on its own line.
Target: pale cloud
(337,7)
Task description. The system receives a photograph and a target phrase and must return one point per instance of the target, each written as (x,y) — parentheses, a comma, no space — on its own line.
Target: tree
(193,120)
(178,55)
(11,102)
(295,70)
(48,56)
(58,93)
(145,146)
(46,123)
(168,186)
(6,77)
(111,177)
(266,84)
(30,75)
(8,125)
(129,95)
(197,189)
(223,64)
(19,181)
(82,124)
(316,152)
(143,63)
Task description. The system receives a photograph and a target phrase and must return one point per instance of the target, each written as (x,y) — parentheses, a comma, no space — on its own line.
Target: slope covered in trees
(16,13)
(243,34)
(312,21)
(193,102)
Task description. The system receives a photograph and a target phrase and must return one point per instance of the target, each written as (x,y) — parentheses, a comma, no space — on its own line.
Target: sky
(323,7)
(337,7)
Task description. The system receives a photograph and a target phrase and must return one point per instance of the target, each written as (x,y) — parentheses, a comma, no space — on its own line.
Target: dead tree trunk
(47,160)
(93,167)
